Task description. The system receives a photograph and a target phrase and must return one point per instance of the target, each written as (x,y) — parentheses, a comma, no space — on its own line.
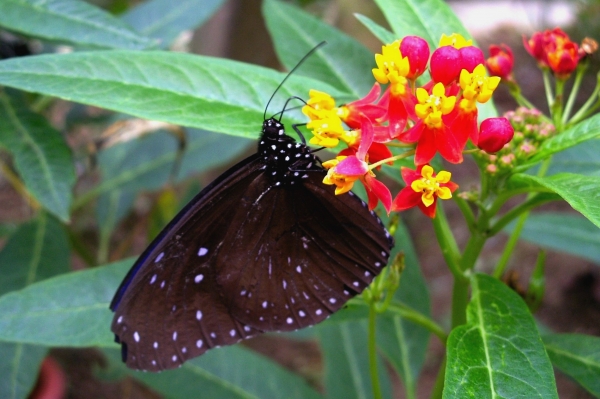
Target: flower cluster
(437,117)
(531,129)
(553,49)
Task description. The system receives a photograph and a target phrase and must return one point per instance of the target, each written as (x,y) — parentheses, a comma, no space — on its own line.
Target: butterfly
(265,247)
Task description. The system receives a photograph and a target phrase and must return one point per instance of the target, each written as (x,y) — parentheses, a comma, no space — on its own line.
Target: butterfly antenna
(285,108)
(290,73)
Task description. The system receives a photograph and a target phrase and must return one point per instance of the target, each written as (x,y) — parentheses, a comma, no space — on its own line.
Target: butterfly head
(287,161)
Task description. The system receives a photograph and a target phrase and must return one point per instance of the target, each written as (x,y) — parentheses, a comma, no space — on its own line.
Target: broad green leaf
(377,30)
(69,21)
(498,353)
(39,249)
(581,192)
(578,356)
(164,21)
(403,343)
(343,63)
(191,90)
(69,310)
(344,347)
(229,372)
(425,18)
(18,369)
(581,159)
(568,233)
(584,131)
(42,158)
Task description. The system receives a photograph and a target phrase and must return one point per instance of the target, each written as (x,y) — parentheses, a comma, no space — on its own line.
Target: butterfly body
(265,247)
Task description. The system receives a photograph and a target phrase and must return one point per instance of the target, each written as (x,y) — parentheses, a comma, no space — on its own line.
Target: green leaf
(229,372)
(404,344)
(581,192)
(70,310)
(161,20)
(568,233)
(69,21)
(38,250)
(344,347)
(498,353)
(343,63)
(578,356)
(583,131)
(581,159)
(42,158)
(209,93)
(18,366)
(425,18)
(377,30)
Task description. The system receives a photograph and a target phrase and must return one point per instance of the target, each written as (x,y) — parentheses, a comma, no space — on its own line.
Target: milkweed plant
(398,125)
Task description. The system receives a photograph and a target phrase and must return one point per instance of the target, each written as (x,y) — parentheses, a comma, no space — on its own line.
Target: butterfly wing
(169,307)
(295,263)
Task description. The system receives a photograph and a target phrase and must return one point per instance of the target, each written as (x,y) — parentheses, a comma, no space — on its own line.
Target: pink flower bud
(445,65)
(494,133)
(470,57)
(417,51)
(501,61)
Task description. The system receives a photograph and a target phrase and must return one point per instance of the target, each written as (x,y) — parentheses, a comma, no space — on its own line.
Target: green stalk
(372,347)
(447,243)
(573,95)
(548,88)
(438,388)
(514,236)
(409,314)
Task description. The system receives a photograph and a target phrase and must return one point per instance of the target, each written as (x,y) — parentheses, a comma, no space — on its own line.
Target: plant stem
(573,95)
(438,388)
(372,347)
(409,314)
(447,243)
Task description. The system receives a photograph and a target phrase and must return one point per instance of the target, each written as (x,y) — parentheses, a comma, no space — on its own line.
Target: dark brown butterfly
(265,247)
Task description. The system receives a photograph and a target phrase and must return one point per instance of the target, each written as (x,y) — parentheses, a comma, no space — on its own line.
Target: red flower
(422,189)
(501,61)
(416,50)
(554,49)
(445,65)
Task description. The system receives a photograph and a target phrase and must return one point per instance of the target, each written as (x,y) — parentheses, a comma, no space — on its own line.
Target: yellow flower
(432,107)
(343,183)
(391,66)
(430,185)
(476,86)
(455,40)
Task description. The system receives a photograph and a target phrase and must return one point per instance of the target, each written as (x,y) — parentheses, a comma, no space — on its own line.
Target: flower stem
(438,388)
(573,94)
(447,243)
(372,347)
(408,313)
(392,159)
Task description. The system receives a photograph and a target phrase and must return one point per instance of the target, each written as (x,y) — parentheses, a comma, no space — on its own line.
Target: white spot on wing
(264,304)
(153,279)
(232,333)
(155,345)
(159,257)
(175,336)
(199,343)
(332,300)
(199,315)
(289,320)
(301,313)
(199,278)
(120,320)
(298,269)
(202,251)
(318,312)
(136,336)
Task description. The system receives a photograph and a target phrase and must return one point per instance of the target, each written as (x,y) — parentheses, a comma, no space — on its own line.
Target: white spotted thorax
(287,161)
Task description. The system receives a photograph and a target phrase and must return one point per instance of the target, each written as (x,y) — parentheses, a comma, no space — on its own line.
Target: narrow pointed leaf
(581,192)
(578,356)
(41,155)
(18,366)
(344,347)
(498,353)
(343,63)
(208,93)
(564,232)
(582,132)
(425,18)
(69,21)
(37,250)
(69,310)
(229,372)
(379,31)
(160,20)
